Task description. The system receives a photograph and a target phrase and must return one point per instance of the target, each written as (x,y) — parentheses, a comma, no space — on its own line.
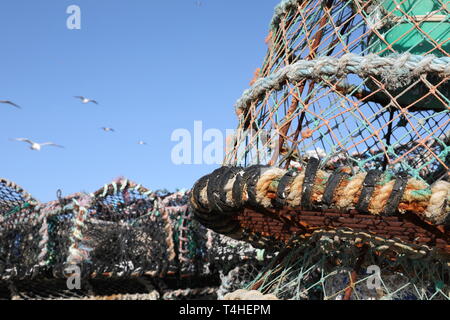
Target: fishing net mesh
(364,96)
(356,84)
(237,278)
(124,242)
(128,218)
(328,268)
(19,250)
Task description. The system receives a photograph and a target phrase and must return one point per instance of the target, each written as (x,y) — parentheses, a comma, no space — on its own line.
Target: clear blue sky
(154,66)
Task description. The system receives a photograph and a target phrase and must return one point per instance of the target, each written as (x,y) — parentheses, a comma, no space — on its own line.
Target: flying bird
(38,146)
(10,103)
(142,143)
(86,100)
(108,129)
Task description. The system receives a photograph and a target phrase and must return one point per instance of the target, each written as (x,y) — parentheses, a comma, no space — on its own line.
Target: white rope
(391,69)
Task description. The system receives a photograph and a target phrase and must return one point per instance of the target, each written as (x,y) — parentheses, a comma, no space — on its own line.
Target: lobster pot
(20,248)
(22,233)
(343,136)
(126,234)
(337,86)
(125,250)
(419,28)
(115,232)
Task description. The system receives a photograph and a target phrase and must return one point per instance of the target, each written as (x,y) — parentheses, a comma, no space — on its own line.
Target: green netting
(328,268)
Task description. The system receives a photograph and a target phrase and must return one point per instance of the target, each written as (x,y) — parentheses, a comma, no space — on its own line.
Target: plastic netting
(19,251)
(128,215)
(353,83)
(13,199)
(359,85)
(238,278)
(327,268)
(115,238)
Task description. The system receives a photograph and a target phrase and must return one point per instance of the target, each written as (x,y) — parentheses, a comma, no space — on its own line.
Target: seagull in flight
(38,146)
(10,103)
(142,143)
(108,129)
(85,100)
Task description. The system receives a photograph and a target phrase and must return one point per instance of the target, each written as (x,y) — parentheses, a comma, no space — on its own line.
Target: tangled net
(344,133)
(125,241)
(329,267)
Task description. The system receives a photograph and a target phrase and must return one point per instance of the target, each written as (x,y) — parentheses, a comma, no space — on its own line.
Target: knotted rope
(393,70)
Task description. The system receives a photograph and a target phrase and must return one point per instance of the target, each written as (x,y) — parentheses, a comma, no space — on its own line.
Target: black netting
(113,237)
(19,232)
(19,249)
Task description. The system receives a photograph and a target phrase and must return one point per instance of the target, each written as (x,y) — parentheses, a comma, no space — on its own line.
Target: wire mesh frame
(348,120)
